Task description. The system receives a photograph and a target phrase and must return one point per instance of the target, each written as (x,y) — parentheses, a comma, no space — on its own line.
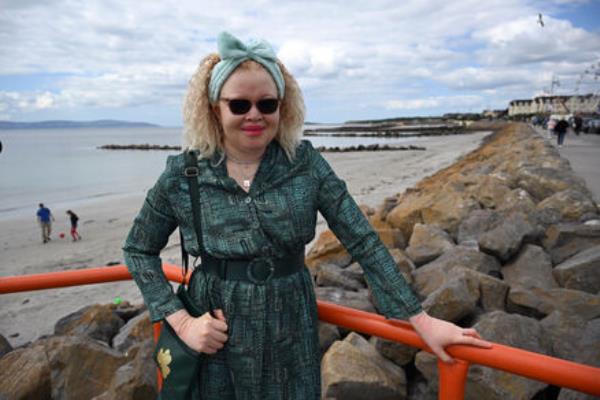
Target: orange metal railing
(554,371)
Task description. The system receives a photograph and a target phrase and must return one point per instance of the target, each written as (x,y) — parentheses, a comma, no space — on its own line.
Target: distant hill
(60,124)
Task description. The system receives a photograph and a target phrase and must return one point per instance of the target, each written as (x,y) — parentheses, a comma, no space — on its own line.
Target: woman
(260,188)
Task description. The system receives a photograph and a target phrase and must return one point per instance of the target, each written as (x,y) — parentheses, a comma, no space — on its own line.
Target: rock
(531,268)
(352,369)
(589,353)
(328,334)
(356,272)
(539,302)
(543,182)
(505,238)
(516,200)
(25,374)
(138,329)
(135,380)
(408,212)
(127,311)
(327,249)
(476,224)
(492,291)
(567,239)
(398,353)
(450,206)
(81,368)
(332,275)
(358,299)
(96,321)
(564,330)
(5,346)
(390,236)
(490,384)
(427,243)
(431,276)
(580,272)
(454,300)
(571,203)
(490,191)
(404,264)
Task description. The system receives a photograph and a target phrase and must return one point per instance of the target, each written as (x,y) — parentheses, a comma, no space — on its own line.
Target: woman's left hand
(438,334)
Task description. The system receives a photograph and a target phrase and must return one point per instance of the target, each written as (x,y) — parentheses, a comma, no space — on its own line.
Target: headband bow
(233,52)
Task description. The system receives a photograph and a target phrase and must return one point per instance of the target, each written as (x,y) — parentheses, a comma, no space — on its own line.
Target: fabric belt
(257,270)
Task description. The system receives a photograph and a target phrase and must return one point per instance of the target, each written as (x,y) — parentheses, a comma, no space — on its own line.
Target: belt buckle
(260,262)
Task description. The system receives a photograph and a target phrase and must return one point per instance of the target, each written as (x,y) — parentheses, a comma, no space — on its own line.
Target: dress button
(255,225)
(248,200)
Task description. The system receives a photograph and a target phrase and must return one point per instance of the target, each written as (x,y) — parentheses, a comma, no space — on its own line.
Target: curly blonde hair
(202,130)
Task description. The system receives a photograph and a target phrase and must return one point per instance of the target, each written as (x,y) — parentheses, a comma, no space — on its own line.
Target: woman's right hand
(205,334)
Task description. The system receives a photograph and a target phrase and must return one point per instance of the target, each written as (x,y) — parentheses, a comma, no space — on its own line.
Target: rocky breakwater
(506,240)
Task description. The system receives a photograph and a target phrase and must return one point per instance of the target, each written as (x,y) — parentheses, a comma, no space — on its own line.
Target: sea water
(64,167)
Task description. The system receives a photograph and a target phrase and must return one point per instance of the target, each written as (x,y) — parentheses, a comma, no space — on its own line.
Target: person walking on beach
(74,218)
(259,189)
(45,218)
(577,124)
(561,131)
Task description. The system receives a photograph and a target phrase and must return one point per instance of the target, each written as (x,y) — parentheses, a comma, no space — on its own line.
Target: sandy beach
(371,176)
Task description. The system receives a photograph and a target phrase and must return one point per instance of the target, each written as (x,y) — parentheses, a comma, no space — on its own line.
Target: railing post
(156,333)
(452,379)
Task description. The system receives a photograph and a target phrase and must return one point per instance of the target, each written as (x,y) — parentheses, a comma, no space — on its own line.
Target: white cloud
(119,54)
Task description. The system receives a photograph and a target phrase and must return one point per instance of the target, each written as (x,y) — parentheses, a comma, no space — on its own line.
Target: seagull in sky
(540,20)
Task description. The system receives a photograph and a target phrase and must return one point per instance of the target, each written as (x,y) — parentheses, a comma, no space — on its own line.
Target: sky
(353,59)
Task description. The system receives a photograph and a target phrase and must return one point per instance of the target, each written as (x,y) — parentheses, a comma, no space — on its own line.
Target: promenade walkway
(583,152)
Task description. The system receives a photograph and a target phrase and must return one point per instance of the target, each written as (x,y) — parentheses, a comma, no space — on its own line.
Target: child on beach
(74,218)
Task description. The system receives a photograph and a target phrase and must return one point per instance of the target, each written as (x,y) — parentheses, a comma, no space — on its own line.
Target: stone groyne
(507,240)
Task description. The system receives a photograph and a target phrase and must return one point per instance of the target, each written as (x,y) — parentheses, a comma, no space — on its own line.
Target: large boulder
(81,368)
(538,302)
(353,369)
(454,300)
(135,380)
(137,329)
(332,275)
(532,267)
(492,384)
(542,181)
(450,206)
(504,239)
(25,374)
(431,276)
(427,243)
(564,240)
(399,353)
(580,272)
(571,203)
(97,322)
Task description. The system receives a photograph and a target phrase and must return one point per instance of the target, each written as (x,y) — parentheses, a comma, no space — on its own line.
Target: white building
(585,104)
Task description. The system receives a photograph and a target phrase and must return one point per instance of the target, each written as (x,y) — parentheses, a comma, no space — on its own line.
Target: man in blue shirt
(45,218)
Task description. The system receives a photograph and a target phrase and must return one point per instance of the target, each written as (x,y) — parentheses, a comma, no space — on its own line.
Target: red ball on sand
(62,235)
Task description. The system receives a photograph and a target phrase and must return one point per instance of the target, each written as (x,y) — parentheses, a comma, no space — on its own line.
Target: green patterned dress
(273,349)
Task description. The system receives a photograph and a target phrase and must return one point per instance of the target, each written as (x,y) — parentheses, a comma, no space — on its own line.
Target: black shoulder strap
(191,172)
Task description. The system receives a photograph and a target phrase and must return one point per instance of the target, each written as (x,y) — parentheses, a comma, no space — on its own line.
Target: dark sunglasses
(242,106)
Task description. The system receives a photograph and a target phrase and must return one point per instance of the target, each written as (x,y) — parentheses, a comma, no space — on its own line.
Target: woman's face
(249,133)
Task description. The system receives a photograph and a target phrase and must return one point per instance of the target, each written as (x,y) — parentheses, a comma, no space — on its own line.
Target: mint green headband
(233,52)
